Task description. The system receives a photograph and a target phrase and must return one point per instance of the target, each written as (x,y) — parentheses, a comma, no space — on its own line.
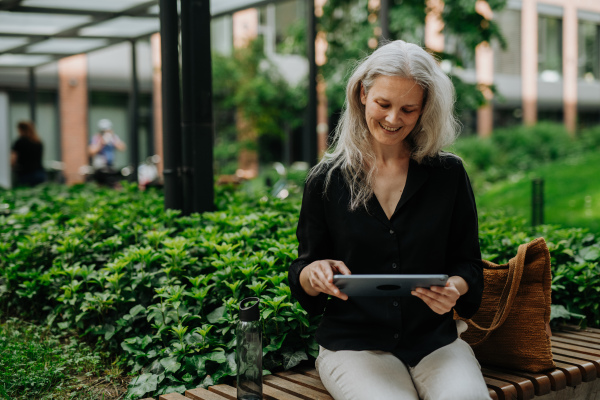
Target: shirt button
(396,336)
(395,303)
(394,265)
(391,231)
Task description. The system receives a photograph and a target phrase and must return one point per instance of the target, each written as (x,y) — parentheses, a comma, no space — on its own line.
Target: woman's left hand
(441,299)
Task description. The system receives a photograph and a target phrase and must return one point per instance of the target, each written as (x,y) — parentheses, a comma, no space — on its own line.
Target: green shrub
(158,288)
(521,148)
(589,139)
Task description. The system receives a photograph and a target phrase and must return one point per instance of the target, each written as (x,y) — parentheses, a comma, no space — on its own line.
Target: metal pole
(202,126)
(537,201)
(310,136)
(171,120)
(150,147)
(134,118)
(186,106)
(384,18)
(32,95)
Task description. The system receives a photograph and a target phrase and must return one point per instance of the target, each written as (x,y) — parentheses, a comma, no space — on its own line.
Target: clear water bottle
(249,351)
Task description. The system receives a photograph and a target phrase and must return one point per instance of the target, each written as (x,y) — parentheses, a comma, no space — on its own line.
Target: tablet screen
(386,285)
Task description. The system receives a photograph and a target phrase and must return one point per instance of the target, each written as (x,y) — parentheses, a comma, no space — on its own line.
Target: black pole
(150,146)
(171,117)
(310,137)
(32,95)
(134,116)
(384,18)
(186,106)
(203,125)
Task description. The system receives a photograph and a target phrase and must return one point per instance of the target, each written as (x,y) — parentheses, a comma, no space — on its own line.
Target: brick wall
(73,92)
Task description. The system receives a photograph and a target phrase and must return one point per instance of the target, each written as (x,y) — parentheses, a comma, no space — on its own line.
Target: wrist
(305,282)
(460,284)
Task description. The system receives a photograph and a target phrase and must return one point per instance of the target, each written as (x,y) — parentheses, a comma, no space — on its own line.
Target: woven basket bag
(511,327)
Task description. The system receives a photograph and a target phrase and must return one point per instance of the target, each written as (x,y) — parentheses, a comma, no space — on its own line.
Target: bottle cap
(249,310)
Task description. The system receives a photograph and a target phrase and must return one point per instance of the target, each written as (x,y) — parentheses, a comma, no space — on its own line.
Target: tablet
(386,285)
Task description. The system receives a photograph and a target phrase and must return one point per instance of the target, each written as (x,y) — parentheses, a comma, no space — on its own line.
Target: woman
(388,200)
(26,156)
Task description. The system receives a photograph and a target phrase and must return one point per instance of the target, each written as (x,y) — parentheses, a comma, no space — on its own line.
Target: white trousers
(449,373)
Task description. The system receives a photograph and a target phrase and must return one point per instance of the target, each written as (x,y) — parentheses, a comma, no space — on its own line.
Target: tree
(352,26)
(247,85)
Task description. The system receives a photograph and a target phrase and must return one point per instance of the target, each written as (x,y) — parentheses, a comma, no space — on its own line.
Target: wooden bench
(576,354)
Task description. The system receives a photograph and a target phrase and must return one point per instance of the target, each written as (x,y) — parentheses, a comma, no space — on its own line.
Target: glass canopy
(37,32)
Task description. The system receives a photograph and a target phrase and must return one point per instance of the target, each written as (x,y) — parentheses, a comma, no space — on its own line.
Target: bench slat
(572,373)
(587,369)
(576,342)
(226,391)
(504,390)
(172,396)
(542,383)
(594,360)
(312,372)
(525,388)
(579,349)
(588,332)
(303,380)
(203,394)
(271,393)
(578,336)
(295,389)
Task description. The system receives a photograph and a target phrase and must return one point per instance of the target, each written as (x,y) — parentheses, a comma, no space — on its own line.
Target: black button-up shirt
(433,230)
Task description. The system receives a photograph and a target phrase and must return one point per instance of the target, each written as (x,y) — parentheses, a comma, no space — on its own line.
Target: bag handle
(515,273)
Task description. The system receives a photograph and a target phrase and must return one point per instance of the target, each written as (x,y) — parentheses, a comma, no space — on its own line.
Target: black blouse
(29,155)
(433,231)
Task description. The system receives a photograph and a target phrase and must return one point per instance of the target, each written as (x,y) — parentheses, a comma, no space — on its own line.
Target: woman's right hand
(317,277)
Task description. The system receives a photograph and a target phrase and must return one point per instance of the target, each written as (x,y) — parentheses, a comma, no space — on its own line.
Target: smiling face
(393,106)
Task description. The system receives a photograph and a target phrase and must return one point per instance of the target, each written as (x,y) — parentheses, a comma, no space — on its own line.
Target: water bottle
(249,351)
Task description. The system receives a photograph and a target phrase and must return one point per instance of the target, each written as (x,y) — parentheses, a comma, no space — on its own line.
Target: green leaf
(131,349)
(231,364)
(206,382)
(214,316)
(171,364)
(135,310)
(109,331)
(290,360)
(172,389)
(217,356)
(196,364)
(146,341)
(274,345)
(142,384)
(560,311)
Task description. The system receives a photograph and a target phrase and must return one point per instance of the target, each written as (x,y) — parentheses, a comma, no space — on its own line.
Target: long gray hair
(437,127)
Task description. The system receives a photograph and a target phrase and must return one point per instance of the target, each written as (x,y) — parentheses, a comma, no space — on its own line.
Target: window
(508,61)
(550,47)
(221,34)
(589,57)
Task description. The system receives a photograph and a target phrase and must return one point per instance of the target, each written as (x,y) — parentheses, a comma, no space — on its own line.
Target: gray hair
(436,128)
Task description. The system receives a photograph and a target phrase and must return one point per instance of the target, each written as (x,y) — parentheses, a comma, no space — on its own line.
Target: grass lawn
(35,364)
(571,193)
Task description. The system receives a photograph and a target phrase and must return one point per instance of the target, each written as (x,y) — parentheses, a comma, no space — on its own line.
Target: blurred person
(26,156)
(103,147)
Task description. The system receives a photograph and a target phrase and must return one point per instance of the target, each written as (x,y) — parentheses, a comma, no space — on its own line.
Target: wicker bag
(511,328)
